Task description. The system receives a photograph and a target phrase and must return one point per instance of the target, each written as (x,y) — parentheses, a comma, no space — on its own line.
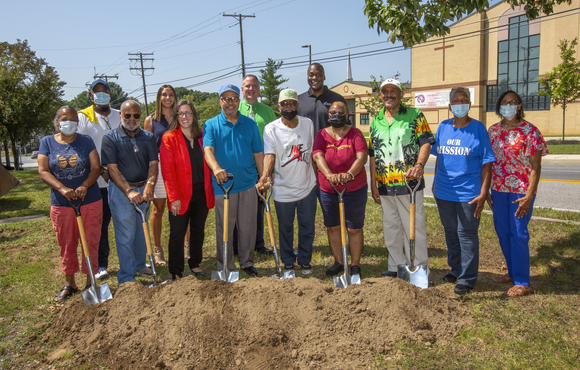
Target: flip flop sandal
(520,291)
(503,279)
(69,291)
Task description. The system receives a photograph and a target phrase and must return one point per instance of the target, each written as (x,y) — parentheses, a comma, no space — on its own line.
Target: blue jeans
(306,211)
(129,236)
(462,239)
(513,235)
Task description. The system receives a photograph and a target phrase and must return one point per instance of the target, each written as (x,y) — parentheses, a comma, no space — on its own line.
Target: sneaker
(102,274)
(449,278)
(355,270)
(306,269)
(462,289)
(334,270)
(146,271)
(288,266)
(265,251)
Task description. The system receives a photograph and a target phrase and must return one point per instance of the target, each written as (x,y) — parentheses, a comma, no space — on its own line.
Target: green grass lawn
(564,149)
(535,332)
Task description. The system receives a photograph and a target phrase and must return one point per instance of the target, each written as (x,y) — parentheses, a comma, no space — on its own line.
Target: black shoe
(199,274)
(175,277)
(449,278)
(334,270)
(251,271)
(462,289)
(355,270)
(390,273)
(266,251)
(288,266)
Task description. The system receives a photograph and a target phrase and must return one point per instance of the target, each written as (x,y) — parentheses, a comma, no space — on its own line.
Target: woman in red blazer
(189,190)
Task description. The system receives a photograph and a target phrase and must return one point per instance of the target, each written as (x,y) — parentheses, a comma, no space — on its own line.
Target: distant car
(34,155)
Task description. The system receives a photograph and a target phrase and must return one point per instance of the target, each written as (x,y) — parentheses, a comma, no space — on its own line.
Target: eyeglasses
(184,114)
(135,147)
(135,115)
(511,102)
(339,112)
(288,103)
(230,99)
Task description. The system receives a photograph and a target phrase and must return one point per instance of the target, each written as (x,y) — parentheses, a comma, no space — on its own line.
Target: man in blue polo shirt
(232,144)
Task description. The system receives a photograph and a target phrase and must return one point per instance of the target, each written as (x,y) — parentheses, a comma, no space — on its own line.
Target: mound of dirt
(259,323)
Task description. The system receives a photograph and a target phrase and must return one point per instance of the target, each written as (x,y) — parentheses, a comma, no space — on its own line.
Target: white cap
(391,81)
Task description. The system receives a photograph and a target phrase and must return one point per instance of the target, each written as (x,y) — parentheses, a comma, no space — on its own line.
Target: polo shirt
(316,107)
(118,148)
(263,114)
(396,146)
(234,149)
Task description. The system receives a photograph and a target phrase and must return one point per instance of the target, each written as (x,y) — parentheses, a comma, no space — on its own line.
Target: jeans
(104,244)
(306,211)
(129,236)
(513,235)
(461,235)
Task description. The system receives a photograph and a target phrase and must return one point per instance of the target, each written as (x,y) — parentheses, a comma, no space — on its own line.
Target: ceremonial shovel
(148,243)
(225,274)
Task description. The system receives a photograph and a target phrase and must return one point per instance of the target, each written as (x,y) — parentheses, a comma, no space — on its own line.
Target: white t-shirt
(294,175)
(97,131)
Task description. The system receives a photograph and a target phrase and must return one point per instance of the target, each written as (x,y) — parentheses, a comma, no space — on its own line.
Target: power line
(240,17)
(142,73)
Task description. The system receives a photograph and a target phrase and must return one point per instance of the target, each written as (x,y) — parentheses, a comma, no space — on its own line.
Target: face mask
(289,115)
(508,111)
(101,98)
(68,128)
(337,121)
(460,110)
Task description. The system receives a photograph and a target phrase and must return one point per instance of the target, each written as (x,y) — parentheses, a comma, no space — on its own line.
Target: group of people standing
(103,158)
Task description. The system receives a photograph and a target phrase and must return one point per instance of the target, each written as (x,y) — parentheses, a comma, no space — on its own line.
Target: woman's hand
(81,192)
(68,193)
(480,200)
(175,207)
(524,205)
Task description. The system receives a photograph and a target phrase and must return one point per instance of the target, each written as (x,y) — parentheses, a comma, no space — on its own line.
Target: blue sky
(192,38)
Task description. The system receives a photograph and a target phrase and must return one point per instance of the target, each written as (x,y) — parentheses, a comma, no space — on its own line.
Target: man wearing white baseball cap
(399,145)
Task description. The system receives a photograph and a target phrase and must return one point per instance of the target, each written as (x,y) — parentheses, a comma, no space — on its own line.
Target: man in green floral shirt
(399,145)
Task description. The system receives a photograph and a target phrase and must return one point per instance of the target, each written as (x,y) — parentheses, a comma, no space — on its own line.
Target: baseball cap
(391,81)
(100,81)
(287,94)
(228,87)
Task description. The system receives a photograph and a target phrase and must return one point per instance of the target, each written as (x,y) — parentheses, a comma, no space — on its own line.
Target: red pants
(64,224)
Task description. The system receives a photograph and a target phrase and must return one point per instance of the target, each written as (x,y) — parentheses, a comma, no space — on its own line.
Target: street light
(309,53)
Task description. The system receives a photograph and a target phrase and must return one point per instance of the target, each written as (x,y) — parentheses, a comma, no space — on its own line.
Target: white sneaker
(145,271)
(102,274)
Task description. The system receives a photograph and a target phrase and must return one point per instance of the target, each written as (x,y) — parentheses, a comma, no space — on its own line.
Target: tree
(562,84)
(81,101)
(374,103)
(30,92)
(270,82)
(413,22)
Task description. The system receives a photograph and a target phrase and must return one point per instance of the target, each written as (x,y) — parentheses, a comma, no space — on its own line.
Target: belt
(137,184)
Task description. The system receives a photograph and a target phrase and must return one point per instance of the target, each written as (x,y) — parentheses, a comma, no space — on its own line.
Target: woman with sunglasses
(340,153)
(518,147)
(189,188)
(69,163)
(158,123)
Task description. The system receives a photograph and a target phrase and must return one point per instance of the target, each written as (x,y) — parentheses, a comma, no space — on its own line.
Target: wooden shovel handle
(226,218)
(271,229)
(147,238)
(342,223)
(83,236)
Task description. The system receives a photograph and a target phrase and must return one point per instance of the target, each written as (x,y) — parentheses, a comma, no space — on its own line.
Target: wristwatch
(420,164)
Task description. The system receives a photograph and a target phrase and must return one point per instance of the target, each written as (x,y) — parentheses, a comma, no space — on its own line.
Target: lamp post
(309,53)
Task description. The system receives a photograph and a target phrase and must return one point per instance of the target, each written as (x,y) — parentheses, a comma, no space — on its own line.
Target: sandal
(503,279)
(520,290)
(159,257)
(68,291)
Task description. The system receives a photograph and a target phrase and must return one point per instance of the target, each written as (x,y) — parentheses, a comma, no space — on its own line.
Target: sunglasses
(135,115)
(135,147)
(289,103)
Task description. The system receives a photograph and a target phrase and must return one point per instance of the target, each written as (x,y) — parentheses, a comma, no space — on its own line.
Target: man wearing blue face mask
(462,180)
(96,121)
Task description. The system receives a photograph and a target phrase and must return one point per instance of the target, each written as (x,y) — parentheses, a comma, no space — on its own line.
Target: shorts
(355,203)
(159,191)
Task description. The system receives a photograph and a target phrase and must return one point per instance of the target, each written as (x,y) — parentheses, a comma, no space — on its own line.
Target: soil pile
(259,323)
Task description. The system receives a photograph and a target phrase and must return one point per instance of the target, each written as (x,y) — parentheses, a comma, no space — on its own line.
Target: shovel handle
(83,237)
(226,220)
(76,208)
(412,216)
(142,213)
(227,190)
(147,238)
(271,228)
(340,193)
(342,224)
(266,200)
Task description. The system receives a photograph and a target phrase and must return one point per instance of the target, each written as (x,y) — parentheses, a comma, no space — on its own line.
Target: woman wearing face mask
(189,189)
(158,123)
(340,152)
(460,186)
(518,146)
(68,162)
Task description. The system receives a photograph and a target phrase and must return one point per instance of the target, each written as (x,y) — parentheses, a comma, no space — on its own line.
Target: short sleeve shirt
(513,149)
(234,149)
(70,164)
(131,155)
(340,155)
(316,107)
(461,153)
(263,114)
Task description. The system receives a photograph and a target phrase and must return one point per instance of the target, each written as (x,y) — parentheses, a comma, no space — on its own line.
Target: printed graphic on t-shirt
(337,148)
(297,154)
(70,164)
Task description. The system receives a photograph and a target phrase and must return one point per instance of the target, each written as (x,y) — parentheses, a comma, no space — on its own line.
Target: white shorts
(159,192)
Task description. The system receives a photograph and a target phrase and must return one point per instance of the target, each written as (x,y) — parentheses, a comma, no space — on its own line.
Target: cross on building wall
(443,48)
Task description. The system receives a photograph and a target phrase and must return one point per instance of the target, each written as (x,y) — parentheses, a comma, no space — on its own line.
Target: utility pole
(309,53)
(142,72)
(240,17)
(105,77)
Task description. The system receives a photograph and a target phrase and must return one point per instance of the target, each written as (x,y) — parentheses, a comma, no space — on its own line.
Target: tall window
(364,119)
(518,67)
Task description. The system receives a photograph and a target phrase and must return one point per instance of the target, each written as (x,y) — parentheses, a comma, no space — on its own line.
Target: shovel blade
(157,284)
(230,277)
(95,296)
(285,275)
(344,280)
(418,275)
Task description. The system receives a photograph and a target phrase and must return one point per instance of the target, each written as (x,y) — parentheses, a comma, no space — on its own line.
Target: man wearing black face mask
(288,151)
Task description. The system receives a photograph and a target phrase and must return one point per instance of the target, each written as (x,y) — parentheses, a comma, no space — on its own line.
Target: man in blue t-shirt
(232,144)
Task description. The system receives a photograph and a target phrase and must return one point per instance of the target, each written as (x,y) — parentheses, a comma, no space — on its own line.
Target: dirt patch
(259,323)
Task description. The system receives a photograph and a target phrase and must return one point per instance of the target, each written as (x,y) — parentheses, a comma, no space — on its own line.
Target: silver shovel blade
(344,280)
(230,277)
(285,275)
(418,275)
(161,283)
(96,296)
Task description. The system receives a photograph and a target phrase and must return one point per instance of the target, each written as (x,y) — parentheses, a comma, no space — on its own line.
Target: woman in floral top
(518,147)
